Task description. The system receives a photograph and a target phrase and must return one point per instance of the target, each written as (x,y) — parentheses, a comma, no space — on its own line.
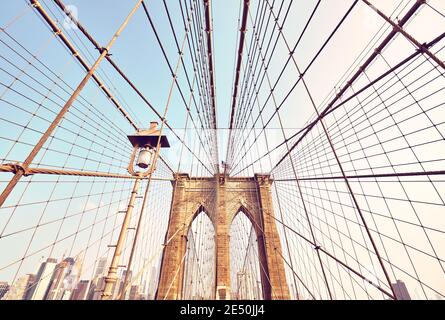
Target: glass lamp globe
(144,158)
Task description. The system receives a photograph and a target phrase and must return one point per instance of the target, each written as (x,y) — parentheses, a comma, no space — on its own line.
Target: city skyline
(59,284)
(82,290)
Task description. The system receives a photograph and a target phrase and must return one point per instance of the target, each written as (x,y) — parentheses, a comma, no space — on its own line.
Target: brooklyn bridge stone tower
(222,198)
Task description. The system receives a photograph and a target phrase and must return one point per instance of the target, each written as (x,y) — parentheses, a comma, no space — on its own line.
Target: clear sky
(37,76)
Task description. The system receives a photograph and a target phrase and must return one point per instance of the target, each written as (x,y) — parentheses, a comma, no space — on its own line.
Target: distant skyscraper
(121,284)
(152,285)
(98,289)
(19,289)
(91,290)
(59,280)
(134,293)
(43,278)
(100,268)
(98,282)
(81,291)
(401,291)
(4,288)
(72,278)
(144,289)
(115,289)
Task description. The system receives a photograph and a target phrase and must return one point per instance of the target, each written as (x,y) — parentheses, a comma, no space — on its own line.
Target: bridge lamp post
(146,146)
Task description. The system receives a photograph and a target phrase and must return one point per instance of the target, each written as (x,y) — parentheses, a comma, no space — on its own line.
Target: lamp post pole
(111,277)
(138,228)
(146,146)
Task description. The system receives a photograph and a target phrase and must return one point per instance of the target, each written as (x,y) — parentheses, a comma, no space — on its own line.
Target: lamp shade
(149,138)
(144,158)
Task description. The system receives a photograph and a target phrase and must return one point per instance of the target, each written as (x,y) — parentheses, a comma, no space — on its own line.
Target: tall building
(4,288)
(43,278)
(91,289)
(72,278)
(98,289)
(100,268)
(134,293)
(401,291)
(98,282)
(121,283)
(115,289)
(20,287)
(143,291)
(81,290)
(153,283)
(59,280)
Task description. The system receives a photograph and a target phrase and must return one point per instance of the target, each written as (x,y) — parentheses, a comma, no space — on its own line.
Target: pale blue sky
(103,146)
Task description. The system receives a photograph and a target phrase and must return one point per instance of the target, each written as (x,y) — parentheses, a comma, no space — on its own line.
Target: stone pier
(222,198)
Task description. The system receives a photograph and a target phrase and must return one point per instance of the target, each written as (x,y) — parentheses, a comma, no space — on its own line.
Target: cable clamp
(423,48)
(103,49)
(18,167)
